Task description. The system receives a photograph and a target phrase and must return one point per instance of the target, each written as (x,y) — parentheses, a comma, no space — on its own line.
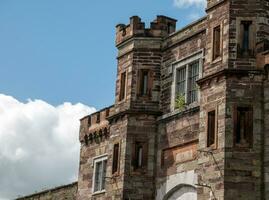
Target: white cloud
(188,3)
(39,145)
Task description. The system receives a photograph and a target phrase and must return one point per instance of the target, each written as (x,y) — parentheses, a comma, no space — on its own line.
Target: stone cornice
(230,72)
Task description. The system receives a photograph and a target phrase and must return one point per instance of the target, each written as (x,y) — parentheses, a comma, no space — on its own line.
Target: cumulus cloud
(39,145)
(188,3)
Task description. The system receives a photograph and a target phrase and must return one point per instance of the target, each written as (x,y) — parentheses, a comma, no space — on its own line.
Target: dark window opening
(211,127)
(139,155)
(144,82)
(98,118)
(107,112)
(170,28)
(115,164)
(89,121)
(245,38)
(122,86)
(216,42)
(243,126)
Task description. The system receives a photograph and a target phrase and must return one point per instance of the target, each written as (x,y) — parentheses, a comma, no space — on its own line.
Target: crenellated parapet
(160,27)
(95,127)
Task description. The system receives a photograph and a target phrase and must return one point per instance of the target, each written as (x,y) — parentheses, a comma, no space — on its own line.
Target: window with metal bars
(99,174)
(193,76)
(186,78)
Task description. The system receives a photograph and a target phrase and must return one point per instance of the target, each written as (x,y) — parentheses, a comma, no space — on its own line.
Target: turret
(160,27)
(139,62)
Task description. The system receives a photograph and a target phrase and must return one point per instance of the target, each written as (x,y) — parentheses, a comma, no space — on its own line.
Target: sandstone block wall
(66,192)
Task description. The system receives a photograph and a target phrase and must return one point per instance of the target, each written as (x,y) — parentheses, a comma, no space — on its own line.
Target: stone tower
(137,101)
(190,119)
(232,86)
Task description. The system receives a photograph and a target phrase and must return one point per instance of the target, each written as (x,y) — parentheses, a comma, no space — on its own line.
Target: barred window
(193,76)
(186,86)
(181,81)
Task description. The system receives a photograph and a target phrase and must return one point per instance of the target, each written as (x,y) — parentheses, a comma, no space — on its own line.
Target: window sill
(99,192)
(216,60)
(194,107)
(143,97)
(139,171)
(242,148)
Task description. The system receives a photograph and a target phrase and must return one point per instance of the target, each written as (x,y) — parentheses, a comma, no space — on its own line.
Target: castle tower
(167,138)
(137,101)
(232,96)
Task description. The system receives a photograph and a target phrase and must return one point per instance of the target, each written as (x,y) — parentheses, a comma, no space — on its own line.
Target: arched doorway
(182,192)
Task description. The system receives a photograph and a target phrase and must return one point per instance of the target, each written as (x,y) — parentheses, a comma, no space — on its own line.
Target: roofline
(187,26)
(97,112)
(48,190)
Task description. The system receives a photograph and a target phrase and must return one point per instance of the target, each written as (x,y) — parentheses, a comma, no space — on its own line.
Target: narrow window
(243,125)
(98,117)
(89,121)
(211,127)
(122,86)
(245,39)
(216,42)
(99,174)
(107,112)
(181,82)
(144,82)
(115,164)
(193,76)
(170,27)
(139,156)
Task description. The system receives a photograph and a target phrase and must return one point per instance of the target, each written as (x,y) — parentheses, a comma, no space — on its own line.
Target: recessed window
(116,153)
(144,82)
(107,112)
(243,126)
(211,128)
(122,86)
(98,117)
(186,86)
(245,38)
(89,121)
(139,155)
(185,74)
(100,165)
(216,42)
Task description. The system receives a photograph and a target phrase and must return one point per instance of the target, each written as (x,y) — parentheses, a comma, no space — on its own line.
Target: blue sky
(60,51)
(64,50)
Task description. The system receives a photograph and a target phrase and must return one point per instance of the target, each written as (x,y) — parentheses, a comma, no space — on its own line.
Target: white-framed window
(185,74)
(99,174)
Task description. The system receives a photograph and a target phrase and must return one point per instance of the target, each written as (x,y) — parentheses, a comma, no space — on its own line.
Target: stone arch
(181,192)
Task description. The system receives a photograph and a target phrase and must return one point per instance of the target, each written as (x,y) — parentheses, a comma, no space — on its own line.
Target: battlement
(95,125)
(212,3)
(160,27)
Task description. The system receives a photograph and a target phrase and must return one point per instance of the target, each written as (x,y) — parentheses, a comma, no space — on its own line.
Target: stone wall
(266,134)
(243,166)
(66,192)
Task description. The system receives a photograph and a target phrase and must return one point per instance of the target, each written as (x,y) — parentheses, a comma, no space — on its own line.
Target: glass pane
(97,181)
(104,175)
(181,81)
(193,76)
